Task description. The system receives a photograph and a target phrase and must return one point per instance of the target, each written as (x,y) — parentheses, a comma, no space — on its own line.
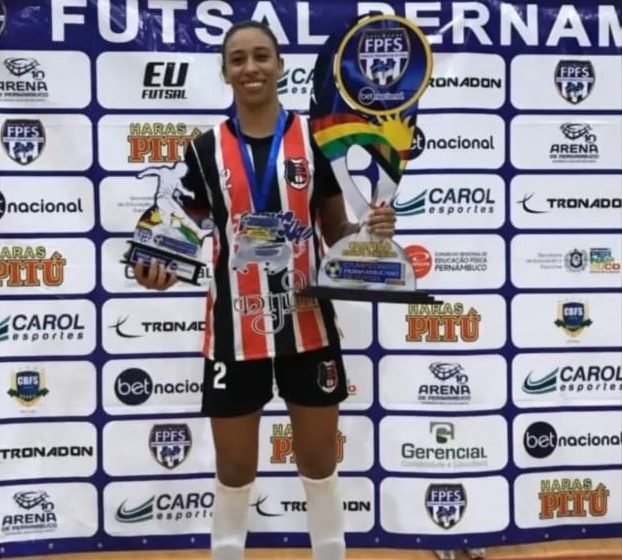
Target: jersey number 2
(221,370)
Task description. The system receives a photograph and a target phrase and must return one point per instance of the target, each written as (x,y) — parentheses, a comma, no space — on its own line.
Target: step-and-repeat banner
(492,418)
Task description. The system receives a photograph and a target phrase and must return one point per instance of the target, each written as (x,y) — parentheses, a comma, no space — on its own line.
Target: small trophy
(366,85)
(166,233)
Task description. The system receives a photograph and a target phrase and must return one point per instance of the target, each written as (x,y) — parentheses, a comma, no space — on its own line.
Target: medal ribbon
(260,192)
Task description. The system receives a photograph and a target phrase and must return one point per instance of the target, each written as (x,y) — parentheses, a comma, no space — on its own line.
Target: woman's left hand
(381,221)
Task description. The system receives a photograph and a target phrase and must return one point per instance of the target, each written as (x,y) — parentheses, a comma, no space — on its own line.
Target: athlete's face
(252,67)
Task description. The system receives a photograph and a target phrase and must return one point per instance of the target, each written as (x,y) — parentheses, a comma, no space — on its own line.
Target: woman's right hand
(153,275)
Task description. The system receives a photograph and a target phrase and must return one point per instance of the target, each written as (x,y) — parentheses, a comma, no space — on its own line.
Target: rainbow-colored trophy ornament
(367,82)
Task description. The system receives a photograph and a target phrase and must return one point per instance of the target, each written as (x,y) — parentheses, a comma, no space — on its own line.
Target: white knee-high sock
(325,517)
(230,521)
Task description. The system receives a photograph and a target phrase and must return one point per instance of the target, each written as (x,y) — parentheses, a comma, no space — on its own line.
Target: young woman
(259,174)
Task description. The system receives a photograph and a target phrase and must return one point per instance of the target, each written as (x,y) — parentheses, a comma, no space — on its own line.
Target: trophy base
(379,296)
(187,269)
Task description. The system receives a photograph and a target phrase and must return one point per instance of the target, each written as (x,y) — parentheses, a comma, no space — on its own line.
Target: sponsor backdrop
(492,418)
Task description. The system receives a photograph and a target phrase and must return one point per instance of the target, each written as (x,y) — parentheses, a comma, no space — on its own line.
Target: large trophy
(166,234)
(366,85)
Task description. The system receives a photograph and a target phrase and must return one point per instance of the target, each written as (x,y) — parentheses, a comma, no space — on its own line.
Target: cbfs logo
(573,318)
(561,498)
(282,443)
(29,80)
(27,386)
(36,515)
(452,389)
(170,444)
(445,504)
(31,267)
(442,322)
(581,145)
(165,80)
(574,80)
(23,139)
(383,55)
(159,142)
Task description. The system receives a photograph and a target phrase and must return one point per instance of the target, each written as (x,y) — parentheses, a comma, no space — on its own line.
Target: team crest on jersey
(297,173)
(573,318)
(327,377)
(170,444)
(28,386)
(383,55)
(23,139)
(445,504)
(574,79)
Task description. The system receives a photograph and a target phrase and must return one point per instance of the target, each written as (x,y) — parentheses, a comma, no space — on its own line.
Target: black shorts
(314,378)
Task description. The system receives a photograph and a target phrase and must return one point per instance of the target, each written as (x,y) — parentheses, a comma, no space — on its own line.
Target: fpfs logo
(442,322)
(159,142)
(568,497)
(282,443)
(574,80)
(31,267)
(23,139)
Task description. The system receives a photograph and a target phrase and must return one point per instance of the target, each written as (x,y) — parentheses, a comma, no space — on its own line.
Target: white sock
(325,517)
(230,521)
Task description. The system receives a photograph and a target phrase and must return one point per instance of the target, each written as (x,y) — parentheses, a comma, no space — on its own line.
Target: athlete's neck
(258,122)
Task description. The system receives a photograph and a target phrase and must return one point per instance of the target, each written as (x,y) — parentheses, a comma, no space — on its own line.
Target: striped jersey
(261,258)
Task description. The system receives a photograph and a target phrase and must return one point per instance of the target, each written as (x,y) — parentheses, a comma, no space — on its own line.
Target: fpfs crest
(383,55)
(445,503)
(170,444)
(574,80)
(23,139)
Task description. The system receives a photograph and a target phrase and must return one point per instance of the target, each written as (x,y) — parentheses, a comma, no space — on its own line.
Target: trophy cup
(166,233)
(366,85)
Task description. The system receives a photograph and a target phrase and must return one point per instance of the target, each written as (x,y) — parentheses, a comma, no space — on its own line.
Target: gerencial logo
(170,444)
(573,317)
(165,80)
(602,261)
(3,16)
(261,509)
(581,145)
(177,508)
(567,203)
(446,322)
(541,440)
(28,82)
(282,444)
(23,139)
(27,386)
(42,326)
(327,376)
(572,497)
(36,514)
(296,80)
(442,454)
(159,142)
(447,201)
(420,259)
(575,260)
(445,504)
(452,389)
(574,79)
(31,266)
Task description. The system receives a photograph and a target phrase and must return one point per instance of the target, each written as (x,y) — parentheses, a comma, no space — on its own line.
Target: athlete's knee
(235,471)
(316,463)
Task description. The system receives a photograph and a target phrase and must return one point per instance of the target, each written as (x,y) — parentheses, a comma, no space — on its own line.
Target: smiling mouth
(253,86)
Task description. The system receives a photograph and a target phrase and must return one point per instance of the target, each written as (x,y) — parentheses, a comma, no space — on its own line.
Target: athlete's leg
(315,445)
(236,445)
